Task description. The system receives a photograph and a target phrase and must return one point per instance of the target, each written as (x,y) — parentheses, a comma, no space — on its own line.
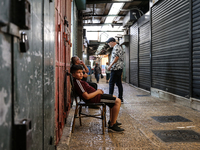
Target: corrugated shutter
(144,56)
(126,62)
(134,54)
(196,49)
(170,46)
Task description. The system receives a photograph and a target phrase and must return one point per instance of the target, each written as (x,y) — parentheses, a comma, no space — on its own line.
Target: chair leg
(80,110)
(103,118)
(105,114)
(75,115)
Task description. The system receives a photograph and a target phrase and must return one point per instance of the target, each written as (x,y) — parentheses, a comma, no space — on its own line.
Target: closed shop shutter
(134,54)
(144,56)
(170,46)
(196,49)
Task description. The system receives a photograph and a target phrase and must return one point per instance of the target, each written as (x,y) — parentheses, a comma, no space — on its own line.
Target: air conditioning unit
(124,40)
(130,18)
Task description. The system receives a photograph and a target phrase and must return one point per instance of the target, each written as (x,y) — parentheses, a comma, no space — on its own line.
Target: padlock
(24,44)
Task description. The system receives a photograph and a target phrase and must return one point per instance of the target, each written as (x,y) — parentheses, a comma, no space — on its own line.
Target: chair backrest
(73,88)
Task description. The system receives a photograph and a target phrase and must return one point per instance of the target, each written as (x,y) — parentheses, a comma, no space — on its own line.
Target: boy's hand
(100,91)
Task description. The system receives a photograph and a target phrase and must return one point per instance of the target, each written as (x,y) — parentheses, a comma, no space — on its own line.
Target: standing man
(116,66)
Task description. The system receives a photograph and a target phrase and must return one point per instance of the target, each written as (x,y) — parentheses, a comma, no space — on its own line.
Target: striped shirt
(82,87)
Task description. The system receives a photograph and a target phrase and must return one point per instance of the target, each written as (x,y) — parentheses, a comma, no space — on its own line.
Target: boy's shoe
(117,123)
(115,128)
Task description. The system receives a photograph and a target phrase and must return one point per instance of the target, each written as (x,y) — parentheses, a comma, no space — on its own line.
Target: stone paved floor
(135,116)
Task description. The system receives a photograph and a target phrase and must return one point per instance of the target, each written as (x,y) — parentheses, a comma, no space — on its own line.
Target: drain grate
(177,135)
(164,119)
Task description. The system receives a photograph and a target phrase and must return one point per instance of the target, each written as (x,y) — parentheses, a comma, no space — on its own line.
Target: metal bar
(11,29)
(193,99)
(101,24)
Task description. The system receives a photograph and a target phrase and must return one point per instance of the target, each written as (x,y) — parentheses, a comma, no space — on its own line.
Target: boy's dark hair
(74,68)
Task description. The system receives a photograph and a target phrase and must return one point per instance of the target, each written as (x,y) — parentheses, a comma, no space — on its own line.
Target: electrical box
(130,18)
(23,135)
(21,13)
(124,39)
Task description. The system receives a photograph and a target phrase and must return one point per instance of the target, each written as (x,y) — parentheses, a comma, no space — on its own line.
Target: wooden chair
(78,109)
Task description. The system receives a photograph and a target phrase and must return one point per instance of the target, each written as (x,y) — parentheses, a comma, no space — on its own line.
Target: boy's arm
(92,95)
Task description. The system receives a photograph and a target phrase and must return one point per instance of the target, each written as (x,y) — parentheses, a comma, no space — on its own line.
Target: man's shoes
(115,128)
(117,123)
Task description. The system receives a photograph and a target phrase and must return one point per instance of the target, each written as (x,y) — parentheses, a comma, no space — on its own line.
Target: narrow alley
(142,132)
(152,46)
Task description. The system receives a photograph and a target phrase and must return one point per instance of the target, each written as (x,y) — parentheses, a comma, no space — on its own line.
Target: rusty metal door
(63,30)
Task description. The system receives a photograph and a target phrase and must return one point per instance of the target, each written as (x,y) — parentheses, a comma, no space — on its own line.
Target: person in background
(75,60)
(116,66)
(107,72)
(97,72)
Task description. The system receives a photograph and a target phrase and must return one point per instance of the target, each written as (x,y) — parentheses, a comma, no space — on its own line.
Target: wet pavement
(139,115)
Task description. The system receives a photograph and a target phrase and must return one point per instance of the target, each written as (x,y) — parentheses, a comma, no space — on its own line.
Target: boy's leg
(115,111)
(114,103)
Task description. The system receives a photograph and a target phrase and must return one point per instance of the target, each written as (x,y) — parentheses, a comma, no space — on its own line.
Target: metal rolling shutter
(134,54)
(196,49)
(170,46)
(144,56)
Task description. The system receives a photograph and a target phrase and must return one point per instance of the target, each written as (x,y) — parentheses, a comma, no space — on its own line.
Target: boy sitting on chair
(90,95)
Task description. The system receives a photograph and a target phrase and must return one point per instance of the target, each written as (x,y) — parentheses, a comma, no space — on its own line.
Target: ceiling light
(114,11)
